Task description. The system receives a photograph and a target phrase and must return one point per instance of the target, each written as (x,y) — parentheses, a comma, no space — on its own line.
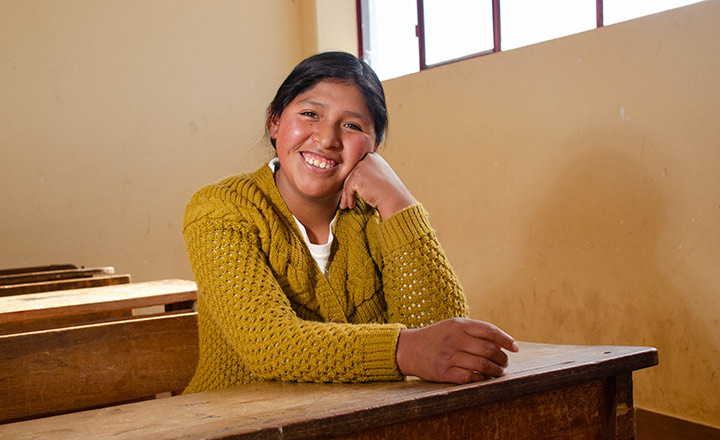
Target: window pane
(389,42)
(524,22)
(615,11)
(456,28)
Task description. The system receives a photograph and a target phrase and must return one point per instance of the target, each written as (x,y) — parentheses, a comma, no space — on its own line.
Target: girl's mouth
(318,161)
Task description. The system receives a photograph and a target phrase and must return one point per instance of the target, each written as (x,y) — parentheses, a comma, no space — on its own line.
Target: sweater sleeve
(419,285)
(243,299)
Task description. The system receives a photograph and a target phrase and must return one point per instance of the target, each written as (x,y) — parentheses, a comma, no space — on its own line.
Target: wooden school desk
(550,391)
(20,281)
(51,273)
(64,307)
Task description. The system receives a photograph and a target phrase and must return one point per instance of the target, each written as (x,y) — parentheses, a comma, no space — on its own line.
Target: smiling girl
(320,266)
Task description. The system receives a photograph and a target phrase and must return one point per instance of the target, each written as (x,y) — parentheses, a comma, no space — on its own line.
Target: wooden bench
(550,391)
(30,269)
(53,309)
(53,274)
(95,365)
(20,281)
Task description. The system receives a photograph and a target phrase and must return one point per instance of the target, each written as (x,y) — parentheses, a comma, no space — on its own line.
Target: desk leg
(622,412)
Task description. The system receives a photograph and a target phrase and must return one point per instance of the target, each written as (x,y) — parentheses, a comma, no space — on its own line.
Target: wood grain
(47,286)
(301,410)
(40,310)
(53,275)
(60,321)
(580,412)
(60,370)
(52,267)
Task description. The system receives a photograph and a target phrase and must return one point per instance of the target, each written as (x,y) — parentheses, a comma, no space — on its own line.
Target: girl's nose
(326,135)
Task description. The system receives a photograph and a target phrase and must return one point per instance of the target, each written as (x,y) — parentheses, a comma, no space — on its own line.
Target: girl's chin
(322,196)
(325,195)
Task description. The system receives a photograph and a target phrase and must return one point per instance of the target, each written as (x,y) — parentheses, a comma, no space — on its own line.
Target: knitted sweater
(265,309)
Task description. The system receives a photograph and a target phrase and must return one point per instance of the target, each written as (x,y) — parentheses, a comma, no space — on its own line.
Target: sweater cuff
(379,353)
(404,227)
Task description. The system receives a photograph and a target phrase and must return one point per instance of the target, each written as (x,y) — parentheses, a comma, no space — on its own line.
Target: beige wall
(337,25)
(328,25)
(575,185)
(113,112)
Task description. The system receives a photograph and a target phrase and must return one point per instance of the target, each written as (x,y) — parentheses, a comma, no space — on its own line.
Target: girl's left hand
(375,181)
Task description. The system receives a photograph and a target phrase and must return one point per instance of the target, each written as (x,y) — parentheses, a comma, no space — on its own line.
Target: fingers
(462,376)
(489,332)
(377,184)
(477,348)
(484,349)
(343,197)
(456,350)
(480,358)
(347,196)
(479,365)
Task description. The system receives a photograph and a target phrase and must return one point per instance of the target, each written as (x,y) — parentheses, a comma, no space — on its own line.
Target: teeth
(318,163)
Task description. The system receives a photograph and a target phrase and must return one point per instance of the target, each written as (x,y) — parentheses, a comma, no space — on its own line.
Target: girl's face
(320,137)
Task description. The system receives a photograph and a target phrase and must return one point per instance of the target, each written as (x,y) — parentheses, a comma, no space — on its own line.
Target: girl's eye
(309,113)
(353,126)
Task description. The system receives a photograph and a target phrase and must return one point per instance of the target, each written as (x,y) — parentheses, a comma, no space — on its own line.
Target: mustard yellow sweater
(265,309)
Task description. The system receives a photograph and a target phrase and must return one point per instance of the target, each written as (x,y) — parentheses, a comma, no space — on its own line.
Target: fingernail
(515,347)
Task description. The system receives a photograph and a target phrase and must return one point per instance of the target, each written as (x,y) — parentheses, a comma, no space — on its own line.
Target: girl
(320,266)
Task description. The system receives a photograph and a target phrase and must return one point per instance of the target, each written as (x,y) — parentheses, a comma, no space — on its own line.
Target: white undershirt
(319,252)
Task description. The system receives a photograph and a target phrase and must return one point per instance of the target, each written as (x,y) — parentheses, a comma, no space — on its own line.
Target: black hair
(340,66)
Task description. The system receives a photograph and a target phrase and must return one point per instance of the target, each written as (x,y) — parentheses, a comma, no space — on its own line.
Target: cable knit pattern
(265,309)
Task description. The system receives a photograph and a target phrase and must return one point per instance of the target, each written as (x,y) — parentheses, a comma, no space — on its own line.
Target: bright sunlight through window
(453,29)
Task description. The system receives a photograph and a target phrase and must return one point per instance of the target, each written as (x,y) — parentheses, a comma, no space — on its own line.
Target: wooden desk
(52,273)
(550,391)
(31,269)
(63,284)
(50,309)
(70,369)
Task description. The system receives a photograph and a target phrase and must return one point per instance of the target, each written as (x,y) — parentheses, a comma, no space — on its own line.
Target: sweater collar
(265,180)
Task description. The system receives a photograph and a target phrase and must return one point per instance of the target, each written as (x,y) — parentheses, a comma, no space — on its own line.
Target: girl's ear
(272,124)
(377,144)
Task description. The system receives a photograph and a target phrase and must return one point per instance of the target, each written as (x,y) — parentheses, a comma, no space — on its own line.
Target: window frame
(420,32)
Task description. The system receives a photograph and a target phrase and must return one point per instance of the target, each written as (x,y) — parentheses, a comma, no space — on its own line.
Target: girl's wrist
(403,355)
(392,207)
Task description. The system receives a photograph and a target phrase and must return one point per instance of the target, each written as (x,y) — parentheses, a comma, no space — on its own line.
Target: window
(404,36)
(389,43)
(449,35)
(524,22)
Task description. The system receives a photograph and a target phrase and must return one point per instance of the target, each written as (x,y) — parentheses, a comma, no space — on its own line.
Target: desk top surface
(95,299)
(293,410)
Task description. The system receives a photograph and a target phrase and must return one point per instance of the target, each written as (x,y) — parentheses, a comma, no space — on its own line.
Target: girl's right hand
(456,350)
(376,182)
